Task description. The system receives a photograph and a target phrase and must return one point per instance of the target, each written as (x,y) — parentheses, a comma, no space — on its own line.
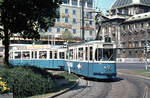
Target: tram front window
(105,54)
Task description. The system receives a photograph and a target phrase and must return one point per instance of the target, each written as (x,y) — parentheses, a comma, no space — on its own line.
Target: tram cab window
(98,54)
(17,55)
(71,54)
(61,55)
(80,54)
(109,54)
(50,54)
(105,54)
(26,55)
(42,54)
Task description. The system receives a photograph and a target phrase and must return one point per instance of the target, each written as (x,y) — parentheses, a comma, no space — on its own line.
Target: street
(132,66)
(125,86)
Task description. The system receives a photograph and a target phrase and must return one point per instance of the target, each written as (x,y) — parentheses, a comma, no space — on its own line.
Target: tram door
(90,60)
(50,59)
(55,59)
(34,57)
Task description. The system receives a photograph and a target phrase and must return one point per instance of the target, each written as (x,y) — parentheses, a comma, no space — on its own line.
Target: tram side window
(61,55)
(80,54)
(98,54)
(11,55)
(71,54)
(55,55)
(91,53)
(50,55)
(42,54)
(17,55)
(26,55)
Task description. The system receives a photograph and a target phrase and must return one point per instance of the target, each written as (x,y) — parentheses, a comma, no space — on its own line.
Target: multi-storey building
(71,19)
(128,25)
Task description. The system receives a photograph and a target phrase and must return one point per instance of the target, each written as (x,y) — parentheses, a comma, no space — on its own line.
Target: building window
(66,29)
(66,1)
(58,19)
(49,29)
(74,21)
(91,23)
(90,3)
(89,15)
(66,19)
(58,9)
(74,12)
(91,32)
(58,29)
(66,11)
(74,31)
(74,2)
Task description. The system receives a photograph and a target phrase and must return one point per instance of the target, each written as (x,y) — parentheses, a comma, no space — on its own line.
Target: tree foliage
(67,35)
(25,17)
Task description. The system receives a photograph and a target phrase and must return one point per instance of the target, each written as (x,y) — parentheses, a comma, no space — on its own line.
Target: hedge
(27,81)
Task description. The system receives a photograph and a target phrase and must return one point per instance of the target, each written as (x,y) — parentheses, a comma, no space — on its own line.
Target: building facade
(128,25)
(71,19)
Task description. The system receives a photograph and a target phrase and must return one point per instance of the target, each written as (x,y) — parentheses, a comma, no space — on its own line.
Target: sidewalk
(60,83)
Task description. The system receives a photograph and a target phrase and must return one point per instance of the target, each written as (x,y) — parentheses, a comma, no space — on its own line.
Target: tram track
(80,93)
(145,93)
(127,86)
(142,85)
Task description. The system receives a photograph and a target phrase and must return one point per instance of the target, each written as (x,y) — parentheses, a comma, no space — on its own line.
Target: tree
(67,35)
(25,17)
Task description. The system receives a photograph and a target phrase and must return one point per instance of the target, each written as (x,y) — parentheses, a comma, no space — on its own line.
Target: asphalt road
(121,66)
(125,86)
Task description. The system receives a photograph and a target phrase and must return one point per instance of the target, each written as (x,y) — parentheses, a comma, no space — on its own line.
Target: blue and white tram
(95,59)
(52,57)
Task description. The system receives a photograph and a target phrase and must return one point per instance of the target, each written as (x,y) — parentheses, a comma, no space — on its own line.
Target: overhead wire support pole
(146,43)
(83,3)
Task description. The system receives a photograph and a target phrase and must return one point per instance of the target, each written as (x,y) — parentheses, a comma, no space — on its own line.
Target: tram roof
(87,43)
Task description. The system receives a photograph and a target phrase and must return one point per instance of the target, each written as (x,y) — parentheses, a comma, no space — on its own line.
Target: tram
(94,59)
(39,56)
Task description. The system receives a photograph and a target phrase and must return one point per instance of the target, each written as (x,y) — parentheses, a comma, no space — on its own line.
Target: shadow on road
(118,79)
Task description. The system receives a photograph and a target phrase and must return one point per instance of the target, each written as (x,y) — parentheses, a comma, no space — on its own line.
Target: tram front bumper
(107,74)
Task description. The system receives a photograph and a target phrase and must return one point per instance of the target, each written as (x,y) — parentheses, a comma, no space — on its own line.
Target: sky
(104,5)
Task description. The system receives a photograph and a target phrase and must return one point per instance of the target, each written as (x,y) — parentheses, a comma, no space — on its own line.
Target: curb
(64,91)
(140,76)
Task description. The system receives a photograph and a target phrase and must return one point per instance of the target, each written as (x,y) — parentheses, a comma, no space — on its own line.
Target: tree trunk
(6,44)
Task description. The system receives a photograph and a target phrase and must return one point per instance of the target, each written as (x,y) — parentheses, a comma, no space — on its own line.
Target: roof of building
(123,3)
(139,17)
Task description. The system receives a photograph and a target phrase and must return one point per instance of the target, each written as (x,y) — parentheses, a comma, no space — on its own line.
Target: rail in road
(125,86)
